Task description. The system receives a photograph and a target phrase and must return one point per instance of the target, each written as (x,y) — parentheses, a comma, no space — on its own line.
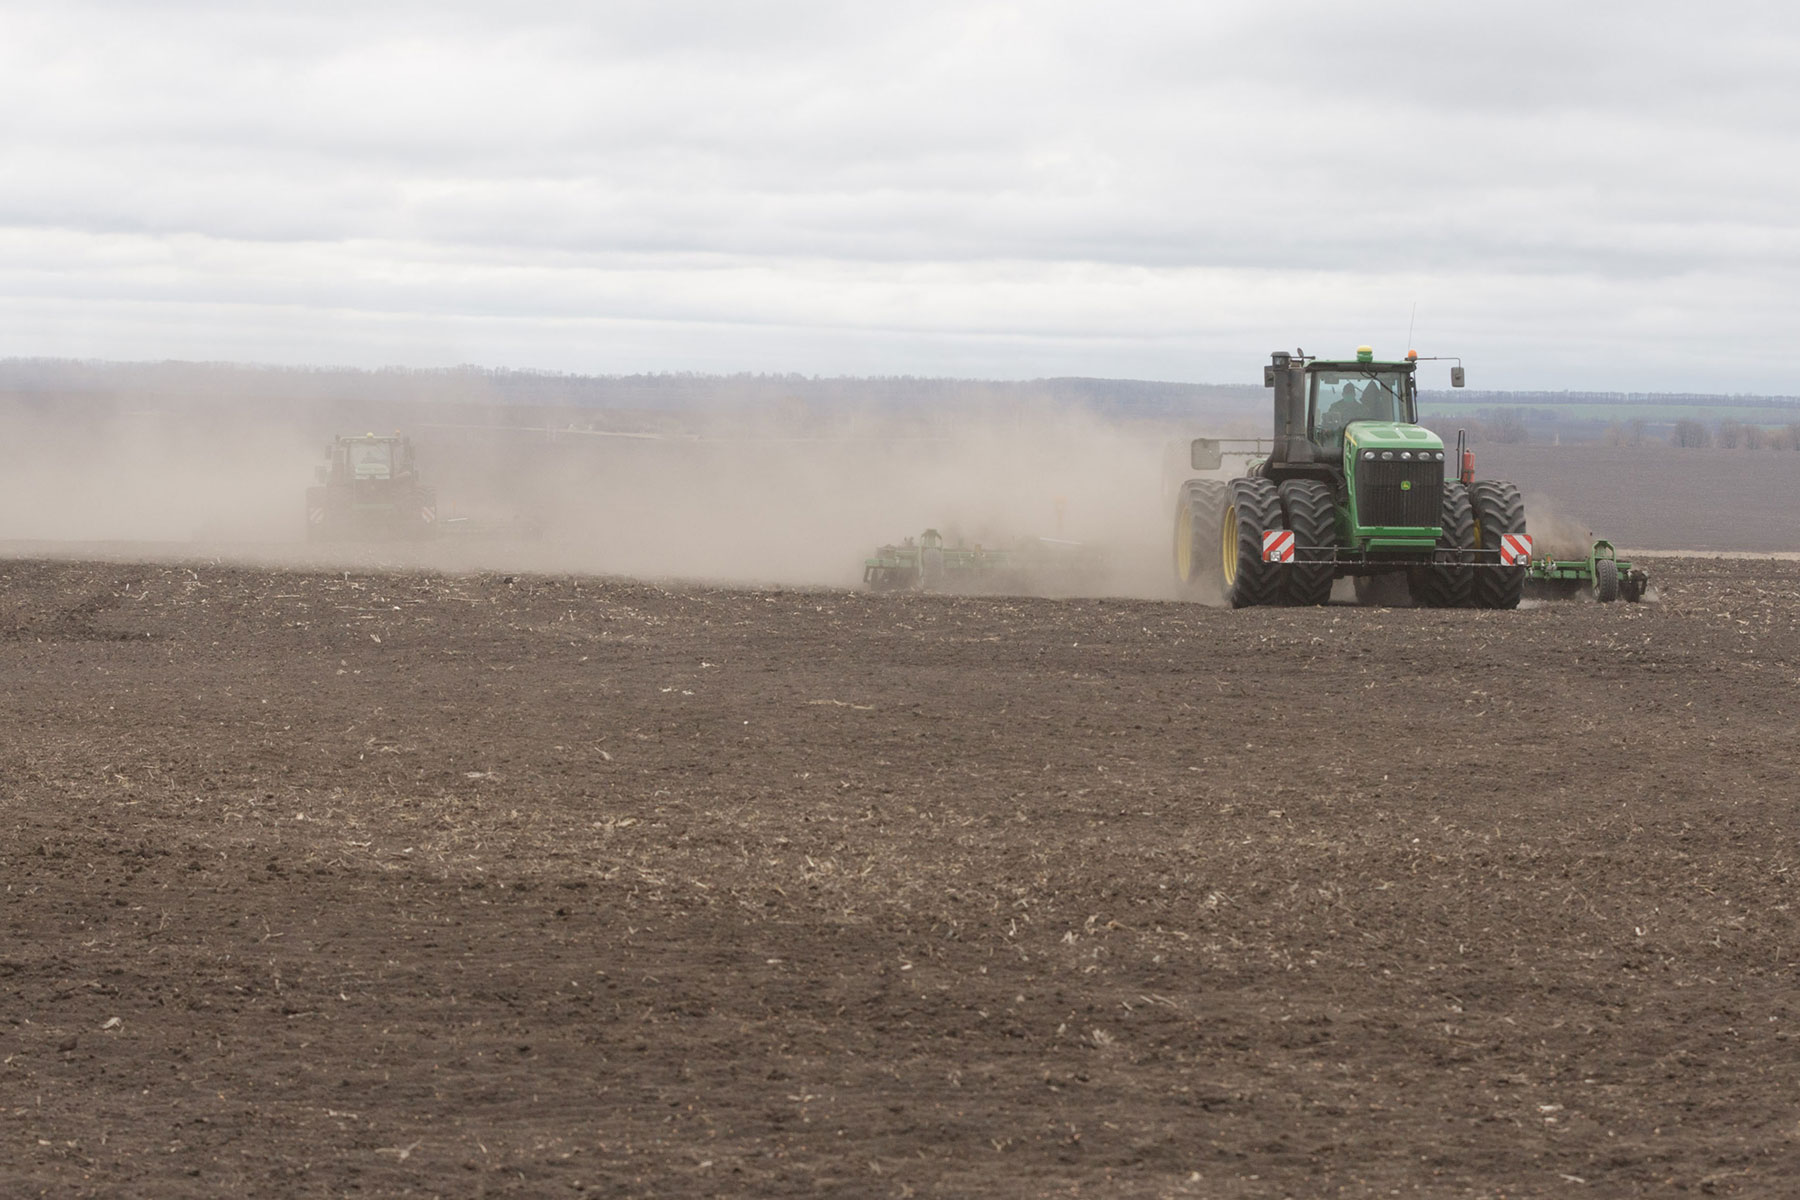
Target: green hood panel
(1390,435)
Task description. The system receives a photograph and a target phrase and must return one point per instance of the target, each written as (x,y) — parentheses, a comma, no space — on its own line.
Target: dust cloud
(724,500)
(1554,533)
(138,476)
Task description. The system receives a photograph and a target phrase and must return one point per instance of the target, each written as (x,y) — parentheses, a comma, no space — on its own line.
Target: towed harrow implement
(1603,574)
(929,563)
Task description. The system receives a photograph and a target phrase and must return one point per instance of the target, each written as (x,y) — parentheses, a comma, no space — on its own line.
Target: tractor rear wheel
(1252,508)
(1196,529)
(1312,517)
(1499,510)
(1606,580)
(1447,585)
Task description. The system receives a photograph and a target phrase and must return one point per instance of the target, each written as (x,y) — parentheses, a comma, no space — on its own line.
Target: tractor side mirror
(1205,455)
(1456,377)
(1268,376)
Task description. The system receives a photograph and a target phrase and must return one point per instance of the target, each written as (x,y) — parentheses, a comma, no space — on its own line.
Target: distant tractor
(1351,485)
(369,490)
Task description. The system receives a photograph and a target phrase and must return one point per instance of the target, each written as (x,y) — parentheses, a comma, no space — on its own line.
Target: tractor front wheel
(1499,511)
(1252,508)
(1447,585)
(1312,517)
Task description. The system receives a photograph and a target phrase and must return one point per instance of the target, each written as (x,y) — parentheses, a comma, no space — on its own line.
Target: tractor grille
(1381,500)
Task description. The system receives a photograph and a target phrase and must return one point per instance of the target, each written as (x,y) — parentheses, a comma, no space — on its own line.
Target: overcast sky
(1573,195)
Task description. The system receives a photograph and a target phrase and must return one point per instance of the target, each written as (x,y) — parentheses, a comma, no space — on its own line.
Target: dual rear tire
(1499,510)
(1312,516)
(1252,508)
(1447,585)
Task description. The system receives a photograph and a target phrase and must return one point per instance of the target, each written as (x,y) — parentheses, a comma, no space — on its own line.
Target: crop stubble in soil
(411,883)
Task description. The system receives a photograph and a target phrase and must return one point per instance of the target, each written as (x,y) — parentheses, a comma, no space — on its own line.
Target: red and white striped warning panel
(1515,549)
(428,515)
(316,515)
(1278,546)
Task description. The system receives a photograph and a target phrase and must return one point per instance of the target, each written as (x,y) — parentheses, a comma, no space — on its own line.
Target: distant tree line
(1690,434)
(1477,399)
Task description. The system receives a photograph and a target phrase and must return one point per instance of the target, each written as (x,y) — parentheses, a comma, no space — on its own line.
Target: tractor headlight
(1405,454)
(1440,456)
(1387,454)
(1368,454)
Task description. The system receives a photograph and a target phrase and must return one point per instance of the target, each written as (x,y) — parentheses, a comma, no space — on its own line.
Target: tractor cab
(1340,394)
(369,457)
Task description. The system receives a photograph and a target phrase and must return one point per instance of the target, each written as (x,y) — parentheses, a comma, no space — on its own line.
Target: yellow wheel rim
(1228,545)
(1184,544)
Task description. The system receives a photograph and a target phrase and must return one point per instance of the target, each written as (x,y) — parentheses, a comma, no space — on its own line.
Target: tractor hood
(1390,435)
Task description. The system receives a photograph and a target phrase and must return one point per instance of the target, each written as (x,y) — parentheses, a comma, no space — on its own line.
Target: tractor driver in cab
(1348,407)
(1378,400)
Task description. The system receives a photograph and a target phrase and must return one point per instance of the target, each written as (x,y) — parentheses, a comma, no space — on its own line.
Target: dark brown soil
(411,884)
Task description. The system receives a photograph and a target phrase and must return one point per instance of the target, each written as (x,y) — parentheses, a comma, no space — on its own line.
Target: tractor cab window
(371,460)
(1340,397)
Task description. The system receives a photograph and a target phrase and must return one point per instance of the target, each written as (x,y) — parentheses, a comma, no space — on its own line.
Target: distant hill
(104,385)
(346,398)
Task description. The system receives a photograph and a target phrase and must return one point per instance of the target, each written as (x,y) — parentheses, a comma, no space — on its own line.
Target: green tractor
(369,489)
(1351,485)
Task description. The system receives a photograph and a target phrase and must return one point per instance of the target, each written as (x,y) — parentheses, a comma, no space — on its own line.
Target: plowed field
(418,884)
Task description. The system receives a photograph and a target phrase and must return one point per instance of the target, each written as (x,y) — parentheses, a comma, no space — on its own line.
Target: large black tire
(1499,510)
(1444,585)
(1307,506)
(1606,580)
(1252,507)
(1197,531)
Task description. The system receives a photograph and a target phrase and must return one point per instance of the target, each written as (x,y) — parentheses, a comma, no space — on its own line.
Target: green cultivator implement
(928,564)
(931,564)
(1352,486)
(1602,574)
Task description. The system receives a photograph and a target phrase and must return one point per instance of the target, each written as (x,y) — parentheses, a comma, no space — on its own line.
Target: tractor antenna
(1410,322)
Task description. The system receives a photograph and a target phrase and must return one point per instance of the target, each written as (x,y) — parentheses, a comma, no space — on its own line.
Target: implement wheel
(1606,580)
(1310,513)
(1252,507)
(1499,510)
(1447,585)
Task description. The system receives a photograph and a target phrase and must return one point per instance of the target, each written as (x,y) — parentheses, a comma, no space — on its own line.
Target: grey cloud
(489,162)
